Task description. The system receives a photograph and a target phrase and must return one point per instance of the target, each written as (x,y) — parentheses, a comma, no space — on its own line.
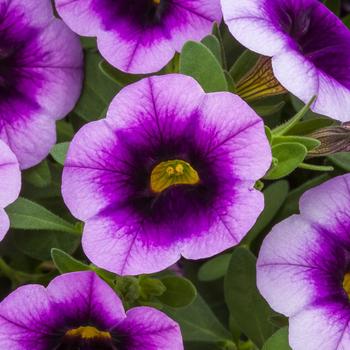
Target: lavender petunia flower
(303,268)
(169,172)
(140,36)
(79,311)
(10,184)
(309,46)
(40,76)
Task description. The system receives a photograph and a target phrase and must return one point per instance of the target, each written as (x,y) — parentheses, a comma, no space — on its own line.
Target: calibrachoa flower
(40,76)
(79,311)
(304,268)
(140,36)
(309,46)
(169,172)
(10,184)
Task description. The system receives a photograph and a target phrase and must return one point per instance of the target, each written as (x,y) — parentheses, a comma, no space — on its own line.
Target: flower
(10,184)
(40,77)
(309,46)
(79,311)
(140,36)
(169,172)
(303,268)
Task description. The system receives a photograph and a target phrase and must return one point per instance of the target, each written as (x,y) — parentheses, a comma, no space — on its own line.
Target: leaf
(243,65)
(278,341)
(59,152)
(265,111)
(215,268)
(38,176)
(27,215)
(198,323)
(38,244)
(289,156)
(66,263)
(308,142)
(334,6)
(246,305)
(118,76)
(98,90)
(274,195)
(197,61)
(213,44)
(179,291)
(306,127)
(341,160)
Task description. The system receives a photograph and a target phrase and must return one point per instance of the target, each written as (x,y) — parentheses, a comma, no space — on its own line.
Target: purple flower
(10,184)
(309,46)
(304,268)
(40,76)
(140,36)
(79,311)
(169,172)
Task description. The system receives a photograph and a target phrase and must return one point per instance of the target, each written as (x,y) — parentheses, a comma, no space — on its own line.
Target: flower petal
(150,329)
(84,296)
(295,266)
(324,326)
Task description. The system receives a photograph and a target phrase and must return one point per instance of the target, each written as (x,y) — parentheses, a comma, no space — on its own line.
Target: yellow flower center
(88,332)
(171,173)
(346,283)
(156,2)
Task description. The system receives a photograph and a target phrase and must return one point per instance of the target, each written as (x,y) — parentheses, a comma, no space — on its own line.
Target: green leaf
(334,6)
(308,142)
(98,90)
(346,21)
(278,341)
(118,76)
(27,215)
(341,160)
(307,127)
(179,291)
(246,305)
(213,44)
(198,323)
(59,152)
(197,61)
(38,176)
(215,268)
(289,156)
(66,263)
(243,65)
(274,195)
(287,126)
(265,111)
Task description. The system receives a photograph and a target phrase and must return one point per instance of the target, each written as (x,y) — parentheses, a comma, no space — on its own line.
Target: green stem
(284,128)
(315,167)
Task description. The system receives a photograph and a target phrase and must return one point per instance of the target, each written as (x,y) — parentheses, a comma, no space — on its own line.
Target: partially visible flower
(79,311)
(10,184)
(303,268)
(140,36)
(40,76)
(333,139)
(169,172)
(309,46)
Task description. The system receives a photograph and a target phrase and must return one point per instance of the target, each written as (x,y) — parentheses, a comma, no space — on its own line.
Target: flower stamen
(88,332)
(173,172)
(156,2)
(346,284)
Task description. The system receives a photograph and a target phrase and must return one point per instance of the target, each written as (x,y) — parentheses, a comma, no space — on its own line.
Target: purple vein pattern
(140,36)
(40,76)
(304,265)
(130,229)
(309,46)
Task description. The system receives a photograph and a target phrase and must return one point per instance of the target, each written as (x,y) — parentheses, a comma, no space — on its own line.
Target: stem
(315,167)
